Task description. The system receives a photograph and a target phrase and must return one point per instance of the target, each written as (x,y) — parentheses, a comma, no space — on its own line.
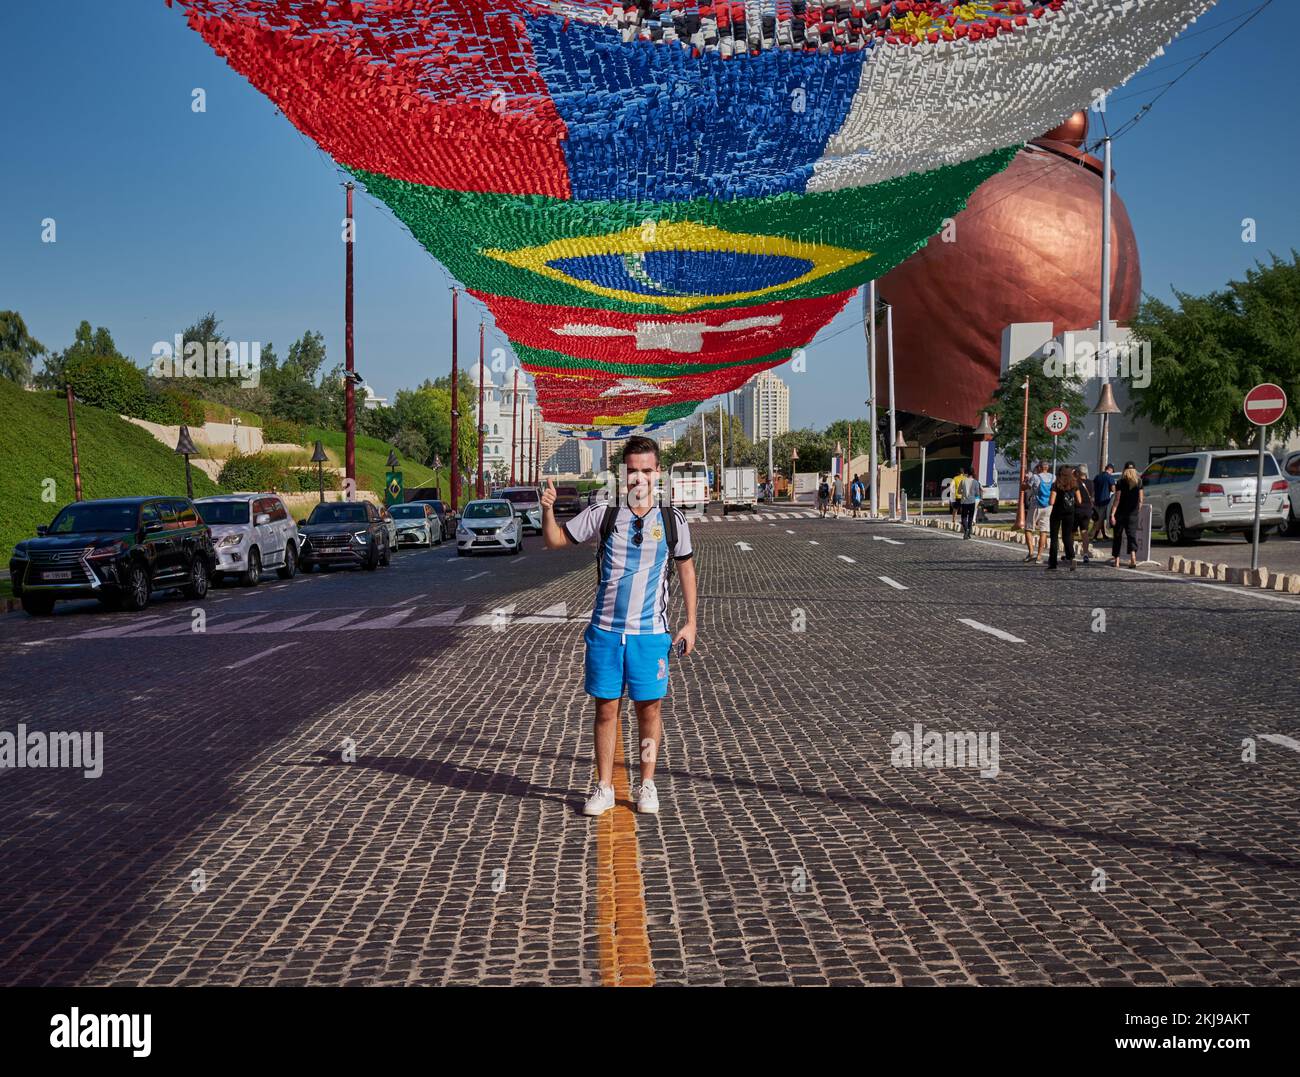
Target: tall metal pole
(72,434)
(722,466)
(482,426)
(349,392)
(922,483)
(1103,326)
(537,456)
(704,451)
(869,316)
(1259,497)
(514,436)
(771,475)
(455,408)
(1024,462)
(889,342)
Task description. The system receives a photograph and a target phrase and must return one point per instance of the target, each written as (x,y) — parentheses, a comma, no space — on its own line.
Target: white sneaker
(648,800)
(600,801)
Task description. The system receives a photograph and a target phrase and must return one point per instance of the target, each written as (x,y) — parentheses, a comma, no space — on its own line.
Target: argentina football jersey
(632,596)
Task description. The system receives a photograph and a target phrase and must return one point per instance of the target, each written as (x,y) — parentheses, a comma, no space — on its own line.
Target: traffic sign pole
(1259,498)
(1264,405)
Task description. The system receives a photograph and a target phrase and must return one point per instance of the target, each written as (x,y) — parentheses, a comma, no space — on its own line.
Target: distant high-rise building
(764,404)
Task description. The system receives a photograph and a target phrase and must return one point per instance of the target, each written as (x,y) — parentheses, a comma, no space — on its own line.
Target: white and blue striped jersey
(632,598)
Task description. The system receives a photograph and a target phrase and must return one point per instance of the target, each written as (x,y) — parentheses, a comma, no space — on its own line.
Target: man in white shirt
(628,640)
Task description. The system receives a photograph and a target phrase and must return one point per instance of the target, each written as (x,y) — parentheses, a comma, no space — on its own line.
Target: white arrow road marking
(263,654)
(892,583)
(1278,738)
(990,630)
(496,617)
(745,547)
(438,619)
(548,616)
(848,559)
(881,538)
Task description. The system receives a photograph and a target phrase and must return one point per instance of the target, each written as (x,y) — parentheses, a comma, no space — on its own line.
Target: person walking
(1103,488)
(1084,517)
(1038,502)
(856,493)
(628,641)
(954,493)
(837,495)
(823,495)
(972,491)
(1124,509)
(1063,508)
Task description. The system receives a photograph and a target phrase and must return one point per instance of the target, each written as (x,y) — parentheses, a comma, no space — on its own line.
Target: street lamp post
(185,447)
(482,426)
(72,434)
(318,458)
(898,446)
(349,355)
(454,478)
(1024,461)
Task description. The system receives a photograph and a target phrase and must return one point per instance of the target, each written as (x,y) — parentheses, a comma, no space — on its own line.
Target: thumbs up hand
(548,496)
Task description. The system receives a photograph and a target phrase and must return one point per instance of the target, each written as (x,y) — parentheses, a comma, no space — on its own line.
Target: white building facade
(764,405)
(500,443)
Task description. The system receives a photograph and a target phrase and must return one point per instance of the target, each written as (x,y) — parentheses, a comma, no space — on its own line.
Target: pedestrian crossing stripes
(729,518)
(329,620)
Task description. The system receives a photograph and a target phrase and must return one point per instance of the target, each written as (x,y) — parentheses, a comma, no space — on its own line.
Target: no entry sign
(1057,421)
(1265,404)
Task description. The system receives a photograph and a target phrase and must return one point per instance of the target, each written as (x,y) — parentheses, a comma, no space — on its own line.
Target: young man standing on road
(628,640)
(1038,512)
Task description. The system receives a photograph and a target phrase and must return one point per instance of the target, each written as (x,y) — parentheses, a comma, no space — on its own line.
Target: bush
(283,432)
(109,382)
(254,471)
(305,481)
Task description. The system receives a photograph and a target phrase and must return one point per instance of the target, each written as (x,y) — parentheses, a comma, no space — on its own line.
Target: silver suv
(1202,491)
(251,532)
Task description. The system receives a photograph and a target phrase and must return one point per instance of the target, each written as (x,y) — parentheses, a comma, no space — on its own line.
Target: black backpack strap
(606,530)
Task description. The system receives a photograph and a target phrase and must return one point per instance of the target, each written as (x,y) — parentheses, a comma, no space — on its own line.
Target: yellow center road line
(620,896)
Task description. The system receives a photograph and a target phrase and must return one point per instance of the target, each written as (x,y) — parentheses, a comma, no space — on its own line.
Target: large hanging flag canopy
(658,200)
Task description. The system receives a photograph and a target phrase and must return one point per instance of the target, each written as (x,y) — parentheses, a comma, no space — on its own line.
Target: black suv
(116,551)
(344,533)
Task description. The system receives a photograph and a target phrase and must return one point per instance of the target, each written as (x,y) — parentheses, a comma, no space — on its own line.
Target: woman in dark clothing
(1124,508)
(1065,503)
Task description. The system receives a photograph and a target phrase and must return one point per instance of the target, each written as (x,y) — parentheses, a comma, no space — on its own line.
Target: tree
(1210,350)
(306,356)
(17,348)
(411,444)
(1006,410)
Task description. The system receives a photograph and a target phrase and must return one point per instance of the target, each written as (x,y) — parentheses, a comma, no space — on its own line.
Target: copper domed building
(1027,248)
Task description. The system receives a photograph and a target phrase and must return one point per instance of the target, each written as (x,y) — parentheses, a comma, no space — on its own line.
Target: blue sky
(164,214)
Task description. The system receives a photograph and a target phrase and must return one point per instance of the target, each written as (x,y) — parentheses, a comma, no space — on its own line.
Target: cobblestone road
(230,840)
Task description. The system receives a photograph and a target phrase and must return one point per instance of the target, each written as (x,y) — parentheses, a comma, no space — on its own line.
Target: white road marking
(496,617)
(550,615)
(263,654)
(848,559)
(438,619)
(1278,738)
(788,531)
(332,624)
(119,629)
(813,542)
(391,620)
(475,576)
(892,583)
(745,547)
(881,538)
(990,630)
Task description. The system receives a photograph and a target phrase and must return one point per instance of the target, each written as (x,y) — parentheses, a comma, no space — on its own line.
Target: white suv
(1199,491)
(251,532)
(1291,472)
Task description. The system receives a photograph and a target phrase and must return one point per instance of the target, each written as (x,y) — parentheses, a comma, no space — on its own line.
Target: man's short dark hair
(639,444)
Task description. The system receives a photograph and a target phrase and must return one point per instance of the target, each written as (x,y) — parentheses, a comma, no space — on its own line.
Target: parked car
(567,501)
(446,518)
(1195,492)
(1291,472)
(417,524)
(348,533)
(251,532)
(390,525)
(115,550)
(528,505)
(490,524)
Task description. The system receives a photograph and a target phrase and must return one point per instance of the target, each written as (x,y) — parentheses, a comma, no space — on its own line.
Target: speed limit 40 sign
(1057,421)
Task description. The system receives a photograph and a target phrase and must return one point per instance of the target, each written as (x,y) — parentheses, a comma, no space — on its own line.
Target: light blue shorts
(636,662)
